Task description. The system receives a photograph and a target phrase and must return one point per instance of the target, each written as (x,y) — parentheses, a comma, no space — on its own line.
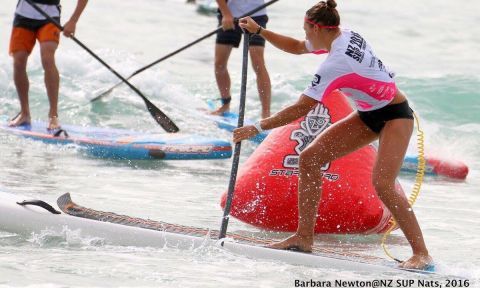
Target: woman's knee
(383,185)
(312,159)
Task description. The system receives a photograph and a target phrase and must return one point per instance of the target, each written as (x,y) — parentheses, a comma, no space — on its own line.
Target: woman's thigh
(340,139)
(392,146)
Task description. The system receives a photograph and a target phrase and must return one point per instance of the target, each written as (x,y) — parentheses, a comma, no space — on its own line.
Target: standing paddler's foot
(53,123)
(418,261)
(221,110)
(294,243)
(19,120)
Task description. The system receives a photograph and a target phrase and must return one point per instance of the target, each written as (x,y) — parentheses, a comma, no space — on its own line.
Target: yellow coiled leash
(416,186)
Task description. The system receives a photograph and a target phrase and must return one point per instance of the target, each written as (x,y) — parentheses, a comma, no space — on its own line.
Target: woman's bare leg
(343,137)
(393,144)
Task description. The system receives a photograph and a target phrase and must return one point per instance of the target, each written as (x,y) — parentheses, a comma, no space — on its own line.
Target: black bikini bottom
(376,119)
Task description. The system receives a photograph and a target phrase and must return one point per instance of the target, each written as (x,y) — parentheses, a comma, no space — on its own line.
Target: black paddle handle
(238,145)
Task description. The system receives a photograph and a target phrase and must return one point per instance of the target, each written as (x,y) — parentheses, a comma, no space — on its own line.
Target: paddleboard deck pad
(126,144)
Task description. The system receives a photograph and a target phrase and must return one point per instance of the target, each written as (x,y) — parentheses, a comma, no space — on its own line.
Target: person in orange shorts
(28,27)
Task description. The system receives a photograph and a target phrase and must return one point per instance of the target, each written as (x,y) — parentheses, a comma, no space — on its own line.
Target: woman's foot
(53,123)
(19,120)
(294,243)
(418,261)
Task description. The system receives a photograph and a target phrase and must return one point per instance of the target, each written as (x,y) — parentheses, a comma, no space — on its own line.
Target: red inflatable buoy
(266,189)
(450,168)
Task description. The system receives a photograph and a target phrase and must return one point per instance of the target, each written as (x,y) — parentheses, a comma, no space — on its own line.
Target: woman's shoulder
(349,43)
(339,44)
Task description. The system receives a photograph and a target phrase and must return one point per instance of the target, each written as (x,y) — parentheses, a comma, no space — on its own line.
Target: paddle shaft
(158,115)
(238,145)
(154,63)
(180,50)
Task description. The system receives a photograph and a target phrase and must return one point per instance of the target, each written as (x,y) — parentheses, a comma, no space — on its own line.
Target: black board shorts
(376,119)
(233,37)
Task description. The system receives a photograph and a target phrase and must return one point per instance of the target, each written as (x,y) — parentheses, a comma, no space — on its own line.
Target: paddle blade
(162,119)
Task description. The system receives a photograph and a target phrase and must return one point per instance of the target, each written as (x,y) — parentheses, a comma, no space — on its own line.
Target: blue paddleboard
(126,144)
(229,121)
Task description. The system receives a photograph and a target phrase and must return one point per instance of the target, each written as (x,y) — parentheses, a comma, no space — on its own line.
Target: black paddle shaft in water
(238,145)
(156,113)
(106,92)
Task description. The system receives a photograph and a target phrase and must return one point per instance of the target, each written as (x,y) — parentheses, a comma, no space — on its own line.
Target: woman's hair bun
(331,4)
(324,13)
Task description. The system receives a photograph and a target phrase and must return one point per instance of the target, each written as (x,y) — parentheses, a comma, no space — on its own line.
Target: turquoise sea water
(432,45)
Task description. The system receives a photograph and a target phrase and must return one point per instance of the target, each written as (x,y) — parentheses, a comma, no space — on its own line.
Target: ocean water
(431,45)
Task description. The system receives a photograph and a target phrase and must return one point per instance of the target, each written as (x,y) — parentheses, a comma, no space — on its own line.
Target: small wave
(66,239)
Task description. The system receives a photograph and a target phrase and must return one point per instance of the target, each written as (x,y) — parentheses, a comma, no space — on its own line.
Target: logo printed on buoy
(316,121)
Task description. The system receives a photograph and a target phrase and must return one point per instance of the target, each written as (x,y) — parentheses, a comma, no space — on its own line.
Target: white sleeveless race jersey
(353,67)
(241,7)
(26,10)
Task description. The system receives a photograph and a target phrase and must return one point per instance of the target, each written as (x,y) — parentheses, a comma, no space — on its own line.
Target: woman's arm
(281,118)
(285,43)
(289,113)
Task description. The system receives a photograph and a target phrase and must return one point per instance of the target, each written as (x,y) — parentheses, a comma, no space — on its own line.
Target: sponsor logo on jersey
(356,48)
(316,80)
